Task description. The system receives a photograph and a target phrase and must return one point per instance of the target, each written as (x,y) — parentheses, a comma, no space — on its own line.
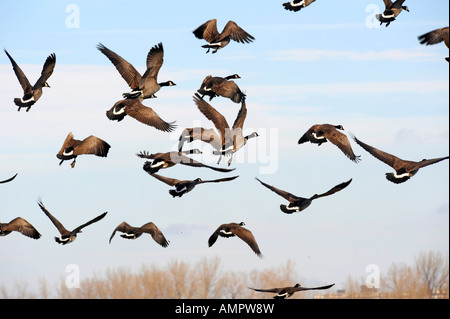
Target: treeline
(428,277)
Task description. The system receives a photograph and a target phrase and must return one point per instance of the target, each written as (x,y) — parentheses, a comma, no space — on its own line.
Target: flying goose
(298,204)
(297,5)
(218,86)
(21,225)
(404,170)
(234,229)
(72,148)
(130,232)
(391,12)
(67,236)
(286,292)
(140,112)
(232,140)
(321,133)
(144,86)
(183,187)
(169,159)
(9,179)
(199,133)
(435,37)
(31,94)
(208,32)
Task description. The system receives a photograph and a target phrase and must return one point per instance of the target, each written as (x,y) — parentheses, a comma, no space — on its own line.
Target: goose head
(168,83)
(234,76)
(339,127)
(254,134)
(46,85)
(405,8)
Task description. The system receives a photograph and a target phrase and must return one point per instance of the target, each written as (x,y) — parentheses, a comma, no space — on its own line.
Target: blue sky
(326,64)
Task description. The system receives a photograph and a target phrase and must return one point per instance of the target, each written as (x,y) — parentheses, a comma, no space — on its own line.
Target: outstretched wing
(156,234)
(386,158)
(207,31)
(274,290)
(212,114)
(126,70)
(23,80)
(55,222)
(313,288)
(9,179)
(92,145)
(341,141)
(288,196)
(23,226)
(96,219)
(47,70)
(169,181)
(227,179)
(146,115)
(335,189)
(236,33)
(247,236)
(123,228)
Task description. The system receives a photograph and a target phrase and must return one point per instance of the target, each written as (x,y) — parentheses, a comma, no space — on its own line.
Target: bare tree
(433,271)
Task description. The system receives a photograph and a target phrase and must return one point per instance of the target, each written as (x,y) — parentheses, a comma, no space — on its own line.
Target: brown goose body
(404,169)
(32,93)
(297,5)
(140,112)
(20,225)
(235,229)
(91,145)
(216,41)
(218,86)
(321,133)
(143,86)
(67,236)
(170,159)
(391,11)
(200,134)
(9,179)
(435,37)
(130,232)
(298,204)
(185,186)
(286,292)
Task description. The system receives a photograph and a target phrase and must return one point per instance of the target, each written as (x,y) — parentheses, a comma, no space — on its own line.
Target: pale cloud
(311,55)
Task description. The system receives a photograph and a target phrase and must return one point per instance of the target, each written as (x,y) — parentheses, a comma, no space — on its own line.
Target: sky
(328,63)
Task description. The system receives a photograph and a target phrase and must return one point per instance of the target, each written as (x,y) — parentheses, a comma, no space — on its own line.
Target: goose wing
(185,160)
(55,222)
(96,219)
(434,37)
(207,31)
(240,118)
(386,158)
(387,3)
(157,235)
(236,33)
(23,226)
(219,180)
(199,133)
(274,290)
(288,196)
(23,80)
(300,288)
(123,227)
(155,60)
(212,114)
(47,70)
(247,236)
(228,89)
(92,145)
(146,115)
(341,141)
(169,181)
(427,162)
(335,189)
(126,70)
(9,179)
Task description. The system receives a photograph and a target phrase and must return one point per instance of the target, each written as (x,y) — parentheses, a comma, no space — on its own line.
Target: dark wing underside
(288,196)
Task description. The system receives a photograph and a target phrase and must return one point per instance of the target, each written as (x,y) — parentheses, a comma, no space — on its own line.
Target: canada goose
(297,5)
(67,236)
(169,159)
(9,179)
(183,187)
(72,148)
(140,112)
(298,204)
(321,133)
(404,170)
(31,94)
(199,133)
(286,292)
(391,12)
(144,86)
(208,31)
(218,86)
(21,225)
(232,139)
(234,229)
(130,232)
(435,37)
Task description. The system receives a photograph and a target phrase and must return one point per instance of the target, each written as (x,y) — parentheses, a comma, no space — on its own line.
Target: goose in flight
(9,179)
(391,12)
(144,86)
(130,232)
(20,225)
(67,236)
(31,94)
(214,86)
(216,41)
(286,292)
(297,5)
(298,204)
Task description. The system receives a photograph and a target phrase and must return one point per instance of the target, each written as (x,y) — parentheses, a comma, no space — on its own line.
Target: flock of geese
(225,140)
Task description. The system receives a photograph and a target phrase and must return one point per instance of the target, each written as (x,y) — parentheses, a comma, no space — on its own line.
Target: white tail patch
(157,164)
(300,4)
(26,101)
(68,153)
(317,137)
